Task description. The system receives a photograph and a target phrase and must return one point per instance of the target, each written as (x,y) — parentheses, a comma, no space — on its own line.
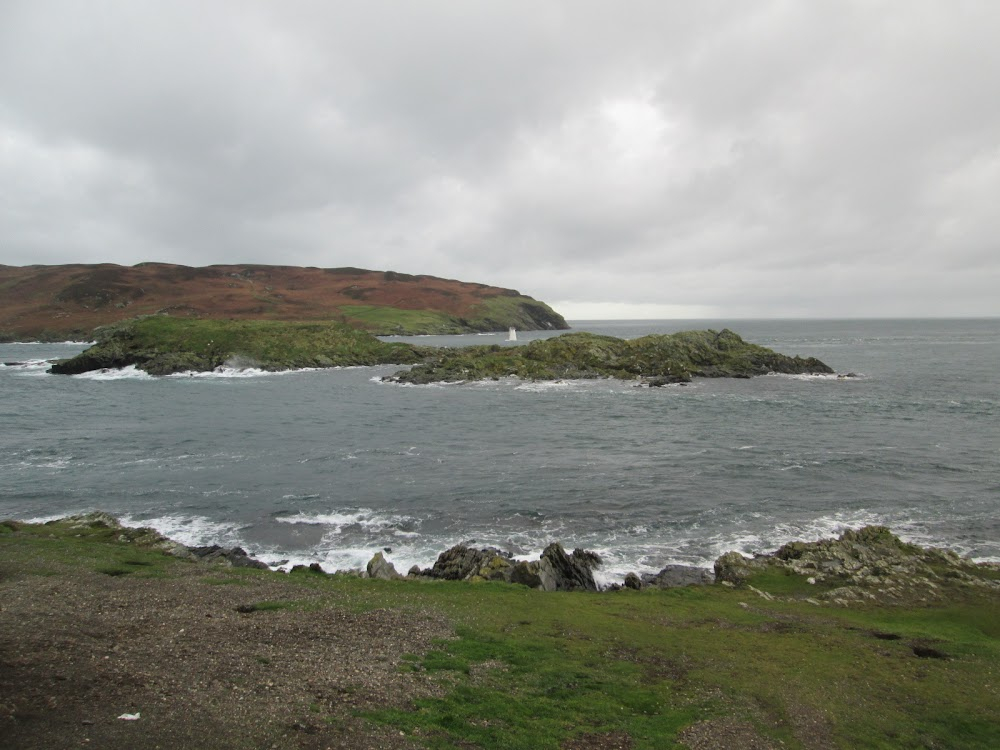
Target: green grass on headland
(653,668)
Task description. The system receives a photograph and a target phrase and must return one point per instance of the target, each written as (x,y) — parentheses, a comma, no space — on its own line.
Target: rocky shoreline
(868,565)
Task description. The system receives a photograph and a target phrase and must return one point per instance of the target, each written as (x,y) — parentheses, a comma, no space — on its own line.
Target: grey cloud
(773,158)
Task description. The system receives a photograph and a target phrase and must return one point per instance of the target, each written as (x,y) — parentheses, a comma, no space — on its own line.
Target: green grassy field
(529,669)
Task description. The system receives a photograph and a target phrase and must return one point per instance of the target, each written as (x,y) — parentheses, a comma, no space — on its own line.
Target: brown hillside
(69,301)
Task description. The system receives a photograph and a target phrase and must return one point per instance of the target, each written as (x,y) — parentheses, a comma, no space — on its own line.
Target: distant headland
(57,303)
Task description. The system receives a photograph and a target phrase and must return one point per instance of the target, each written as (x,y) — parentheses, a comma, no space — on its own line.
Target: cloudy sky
(615,159)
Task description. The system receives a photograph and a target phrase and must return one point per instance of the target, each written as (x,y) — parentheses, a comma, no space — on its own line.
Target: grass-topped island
(162,345)
(115,637)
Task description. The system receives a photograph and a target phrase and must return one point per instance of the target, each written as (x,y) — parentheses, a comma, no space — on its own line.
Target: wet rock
(660,382)
(632,581)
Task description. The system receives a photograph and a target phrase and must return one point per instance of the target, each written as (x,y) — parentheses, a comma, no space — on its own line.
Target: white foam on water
(50,343)
(364,518)
(191,531)
(808,376)
(542,386)
(30,364)
(120,373)
(237,372)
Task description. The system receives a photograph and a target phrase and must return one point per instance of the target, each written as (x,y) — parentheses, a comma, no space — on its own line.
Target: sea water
(331,466)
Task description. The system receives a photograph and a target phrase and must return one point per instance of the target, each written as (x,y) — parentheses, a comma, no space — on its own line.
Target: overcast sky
(615,159)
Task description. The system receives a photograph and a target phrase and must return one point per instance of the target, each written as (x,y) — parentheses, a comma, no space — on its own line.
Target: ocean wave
(120,373)
(813,376)
(191,531)
(237,372)
(364,519)
(29,364)
(49,343)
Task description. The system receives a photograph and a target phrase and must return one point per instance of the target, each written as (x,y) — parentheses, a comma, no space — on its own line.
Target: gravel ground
(79,649)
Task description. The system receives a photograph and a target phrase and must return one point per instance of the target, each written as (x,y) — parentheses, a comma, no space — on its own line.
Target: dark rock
(236,557)
(668,380)
(562,572)
(526,574)
(632,581)
(673,576)
(316,568)
(462,563)
(414,571)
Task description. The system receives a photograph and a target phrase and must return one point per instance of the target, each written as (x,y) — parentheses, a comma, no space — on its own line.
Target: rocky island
(655,360)
(163,345)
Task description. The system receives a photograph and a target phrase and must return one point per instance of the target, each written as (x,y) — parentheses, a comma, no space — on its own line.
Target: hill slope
(62,302)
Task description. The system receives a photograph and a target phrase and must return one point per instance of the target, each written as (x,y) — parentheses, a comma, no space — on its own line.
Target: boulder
(734,569)
(678,575)
(632,581)
(379,567)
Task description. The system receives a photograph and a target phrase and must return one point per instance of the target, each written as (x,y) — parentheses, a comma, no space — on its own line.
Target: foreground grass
(529,669)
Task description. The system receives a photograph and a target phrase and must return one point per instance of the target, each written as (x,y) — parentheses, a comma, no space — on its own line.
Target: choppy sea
(331,466)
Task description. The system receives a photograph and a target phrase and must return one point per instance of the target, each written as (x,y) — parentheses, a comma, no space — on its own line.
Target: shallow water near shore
(330,466)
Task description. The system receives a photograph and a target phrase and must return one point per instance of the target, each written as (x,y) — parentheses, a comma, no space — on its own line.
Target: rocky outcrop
(561,572)
(555,570)
(869,564)
(143,536)
(464,563)
(379,567)
(235,557)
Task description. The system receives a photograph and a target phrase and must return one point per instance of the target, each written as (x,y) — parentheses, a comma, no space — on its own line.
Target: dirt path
(80,649)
